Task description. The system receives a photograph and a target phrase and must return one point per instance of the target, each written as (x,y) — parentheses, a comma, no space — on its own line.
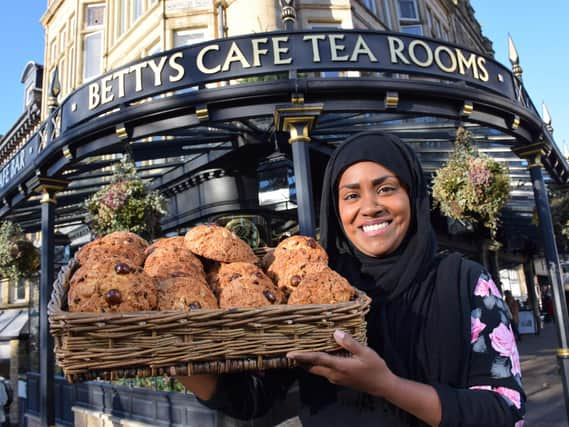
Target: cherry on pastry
(113,297)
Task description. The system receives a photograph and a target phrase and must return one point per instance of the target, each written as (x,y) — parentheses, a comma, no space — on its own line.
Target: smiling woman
(440,347)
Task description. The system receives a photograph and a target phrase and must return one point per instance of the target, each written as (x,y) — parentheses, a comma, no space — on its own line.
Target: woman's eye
(350,196)
(386,189)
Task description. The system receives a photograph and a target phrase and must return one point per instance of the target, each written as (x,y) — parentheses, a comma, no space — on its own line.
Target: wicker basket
(150,343)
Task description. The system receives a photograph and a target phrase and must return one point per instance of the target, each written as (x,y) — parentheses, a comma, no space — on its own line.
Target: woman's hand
(365,370)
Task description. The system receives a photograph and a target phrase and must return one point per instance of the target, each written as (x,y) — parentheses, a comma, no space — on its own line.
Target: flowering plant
(19,258)
(471,186)
(126,204)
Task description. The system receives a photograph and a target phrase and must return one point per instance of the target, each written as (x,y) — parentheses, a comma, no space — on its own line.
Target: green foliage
(471,186)
(126,205)
(19,258)
(160,383)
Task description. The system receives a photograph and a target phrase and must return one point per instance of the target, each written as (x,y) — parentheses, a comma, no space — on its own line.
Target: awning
(13,324)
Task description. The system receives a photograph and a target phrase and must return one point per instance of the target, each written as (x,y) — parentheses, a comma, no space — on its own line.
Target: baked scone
(185,293)
(165,261)
(219,244)
(291,274)
(111,286)
(168,242)
(243,284)
(306,244)
(325,287)
(280,268)
(120,244)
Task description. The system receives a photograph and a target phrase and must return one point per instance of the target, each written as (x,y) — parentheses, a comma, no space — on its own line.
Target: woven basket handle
(60,286)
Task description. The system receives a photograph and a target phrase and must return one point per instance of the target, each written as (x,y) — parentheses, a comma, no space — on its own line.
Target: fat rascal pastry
(325,287)
(185,293)
(111,286)
(120,244)
(219,244)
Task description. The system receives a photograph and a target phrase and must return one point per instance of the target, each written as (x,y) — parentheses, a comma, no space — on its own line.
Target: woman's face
(374,208)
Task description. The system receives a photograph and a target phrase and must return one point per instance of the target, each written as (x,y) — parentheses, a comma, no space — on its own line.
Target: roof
(13,323)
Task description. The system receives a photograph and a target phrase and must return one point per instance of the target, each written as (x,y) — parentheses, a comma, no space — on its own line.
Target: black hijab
(419,321)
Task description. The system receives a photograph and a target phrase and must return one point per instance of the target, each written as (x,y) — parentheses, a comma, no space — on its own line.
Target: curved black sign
(274,52)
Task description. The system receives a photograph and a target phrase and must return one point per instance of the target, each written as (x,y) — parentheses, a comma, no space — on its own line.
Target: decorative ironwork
(546,117)
(288,12)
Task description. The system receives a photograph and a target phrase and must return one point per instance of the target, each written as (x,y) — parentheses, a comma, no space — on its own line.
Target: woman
(440,347)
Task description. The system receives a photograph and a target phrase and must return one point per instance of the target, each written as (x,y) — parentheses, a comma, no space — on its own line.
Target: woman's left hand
(365,370)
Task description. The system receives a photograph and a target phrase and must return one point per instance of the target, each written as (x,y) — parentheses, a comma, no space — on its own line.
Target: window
(370,4)
(123,16)
(137,9)
(62,40)
(408,10)
(437,27)
(415,30)
(29,94)
(18,291)
(71,72)
(92,58)
(93,40)
(94,15)
(53,50)
(188,37)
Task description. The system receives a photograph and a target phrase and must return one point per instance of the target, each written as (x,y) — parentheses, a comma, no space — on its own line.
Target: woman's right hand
(203,386)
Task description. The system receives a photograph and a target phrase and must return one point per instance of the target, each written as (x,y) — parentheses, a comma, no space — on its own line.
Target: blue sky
(539,32)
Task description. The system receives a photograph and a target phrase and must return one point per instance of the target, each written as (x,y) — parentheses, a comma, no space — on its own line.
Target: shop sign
(19,162)
(267,53)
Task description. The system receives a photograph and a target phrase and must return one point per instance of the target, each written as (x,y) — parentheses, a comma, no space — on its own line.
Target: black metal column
(298,119)
(303,181)
(47,390)
(552,258)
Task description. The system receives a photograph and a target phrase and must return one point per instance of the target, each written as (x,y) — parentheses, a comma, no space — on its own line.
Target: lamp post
(534,153)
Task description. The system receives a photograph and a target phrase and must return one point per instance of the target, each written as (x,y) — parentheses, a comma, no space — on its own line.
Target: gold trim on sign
(467,108)
(202,113)
(391,100)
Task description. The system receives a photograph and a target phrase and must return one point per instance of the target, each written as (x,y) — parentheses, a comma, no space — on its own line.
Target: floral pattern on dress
(495,355)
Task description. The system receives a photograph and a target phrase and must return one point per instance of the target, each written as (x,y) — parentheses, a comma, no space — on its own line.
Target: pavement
(541,377)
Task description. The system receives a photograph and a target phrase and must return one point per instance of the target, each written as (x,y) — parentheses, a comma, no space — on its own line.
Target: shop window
(408,10)
(415,30)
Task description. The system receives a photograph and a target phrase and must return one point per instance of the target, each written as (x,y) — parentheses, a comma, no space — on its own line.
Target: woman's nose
(371,205)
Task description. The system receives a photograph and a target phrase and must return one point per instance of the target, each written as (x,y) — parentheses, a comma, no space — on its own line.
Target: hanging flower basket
(19,258)
(126,204)
(471,187)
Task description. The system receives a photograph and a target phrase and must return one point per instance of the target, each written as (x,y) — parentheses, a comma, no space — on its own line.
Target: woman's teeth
(374,227)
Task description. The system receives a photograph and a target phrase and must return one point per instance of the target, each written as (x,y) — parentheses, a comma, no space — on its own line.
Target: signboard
(275,52)
(527,322)
(267,53)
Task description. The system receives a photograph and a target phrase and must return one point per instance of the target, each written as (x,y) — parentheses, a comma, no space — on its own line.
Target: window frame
(406,18)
